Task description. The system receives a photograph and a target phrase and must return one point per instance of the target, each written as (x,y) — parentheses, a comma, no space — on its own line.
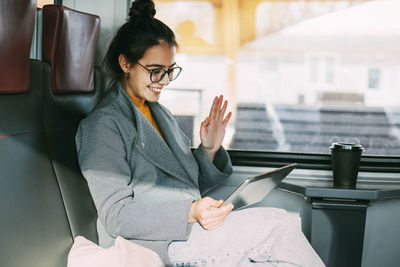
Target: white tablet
(255,189)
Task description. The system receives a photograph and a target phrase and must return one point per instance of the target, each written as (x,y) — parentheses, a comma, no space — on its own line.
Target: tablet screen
(256,188)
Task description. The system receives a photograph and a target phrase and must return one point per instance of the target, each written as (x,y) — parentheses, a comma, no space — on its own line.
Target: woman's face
(138,82)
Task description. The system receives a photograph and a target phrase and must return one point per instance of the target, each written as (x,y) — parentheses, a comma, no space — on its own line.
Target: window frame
(383,164)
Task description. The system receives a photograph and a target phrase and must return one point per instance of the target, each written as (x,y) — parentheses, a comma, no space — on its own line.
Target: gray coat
(142,185)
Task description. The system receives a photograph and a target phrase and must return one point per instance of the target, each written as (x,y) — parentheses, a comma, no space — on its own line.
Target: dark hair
(139,33)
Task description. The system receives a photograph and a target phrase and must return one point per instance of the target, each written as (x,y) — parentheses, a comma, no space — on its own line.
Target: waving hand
(212,130)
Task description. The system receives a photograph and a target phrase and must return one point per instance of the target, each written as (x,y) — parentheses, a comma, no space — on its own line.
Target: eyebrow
(160,66)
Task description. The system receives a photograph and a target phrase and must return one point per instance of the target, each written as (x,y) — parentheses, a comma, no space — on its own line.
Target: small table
(338,216)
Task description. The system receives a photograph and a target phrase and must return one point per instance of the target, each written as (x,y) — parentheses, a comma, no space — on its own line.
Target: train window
(299,74)
(373,78)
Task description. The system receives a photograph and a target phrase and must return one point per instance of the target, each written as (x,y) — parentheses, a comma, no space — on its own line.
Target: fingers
(211,220)
(218,109)
(214,218)
(209,208)
(218,112)
(220,101)
(217,212)
(212,223)
(206,122)
(222,111)
(227,118)
(219,203)
(214,108)
(210,213)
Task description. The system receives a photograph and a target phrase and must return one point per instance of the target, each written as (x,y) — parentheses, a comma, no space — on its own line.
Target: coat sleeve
(212,173)
(102,158)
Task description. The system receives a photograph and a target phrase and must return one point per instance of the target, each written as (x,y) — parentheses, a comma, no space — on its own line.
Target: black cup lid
(346,147)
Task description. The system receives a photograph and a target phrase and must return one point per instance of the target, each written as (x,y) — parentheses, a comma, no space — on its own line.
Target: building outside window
(330,70)
(373,78)
(314,68)
(322,70)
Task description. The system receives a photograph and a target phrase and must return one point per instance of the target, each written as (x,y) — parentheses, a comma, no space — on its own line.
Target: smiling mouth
(157,90)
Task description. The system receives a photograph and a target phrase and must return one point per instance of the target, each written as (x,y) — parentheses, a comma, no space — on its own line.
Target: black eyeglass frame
(152,71)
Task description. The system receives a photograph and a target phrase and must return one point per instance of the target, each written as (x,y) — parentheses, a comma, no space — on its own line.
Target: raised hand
(209,212)
(212,130)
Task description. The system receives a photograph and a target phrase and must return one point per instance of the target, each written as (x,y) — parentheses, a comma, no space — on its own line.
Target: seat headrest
(69,45)
(17,20)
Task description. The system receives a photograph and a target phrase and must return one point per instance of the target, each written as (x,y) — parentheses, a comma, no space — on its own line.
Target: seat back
(16,28)
(69,43)
(34,226)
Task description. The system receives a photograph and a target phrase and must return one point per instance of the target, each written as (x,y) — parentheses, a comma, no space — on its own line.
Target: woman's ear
(124,63)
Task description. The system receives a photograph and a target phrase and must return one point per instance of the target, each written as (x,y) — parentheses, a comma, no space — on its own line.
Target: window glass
(298,74)
(330,66)
(373,78)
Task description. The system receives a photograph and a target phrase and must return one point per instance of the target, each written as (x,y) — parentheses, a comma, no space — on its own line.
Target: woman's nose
(165,80)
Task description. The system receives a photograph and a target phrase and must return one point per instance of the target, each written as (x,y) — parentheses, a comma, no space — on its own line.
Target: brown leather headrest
(17,20)
(69,45)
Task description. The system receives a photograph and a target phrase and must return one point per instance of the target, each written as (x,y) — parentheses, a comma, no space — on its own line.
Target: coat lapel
(176,140)
(153,147)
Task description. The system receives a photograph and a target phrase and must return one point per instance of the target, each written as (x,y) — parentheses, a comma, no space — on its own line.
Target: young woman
(145,180)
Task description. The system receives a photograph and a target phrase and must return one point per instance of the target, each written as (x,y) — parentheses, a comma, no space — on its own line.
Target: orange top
(144,108)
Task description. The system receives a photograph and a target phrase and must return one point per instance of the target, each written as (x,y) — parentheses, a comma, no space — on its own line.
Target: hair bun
(143,9)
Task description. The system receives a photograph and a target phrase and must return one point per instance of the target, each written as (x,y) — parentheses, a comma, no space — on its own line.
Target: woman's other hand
(209,212)
(212,130)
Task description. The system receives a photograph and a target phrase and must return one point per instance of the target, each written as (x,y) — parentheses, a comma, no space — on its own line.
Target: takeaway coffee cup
(345,163)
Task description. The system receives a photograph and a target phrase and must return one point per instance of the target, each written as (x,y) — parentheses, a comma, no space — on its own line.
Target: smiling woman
(138,164)
(146,181)
(298,75)
(145,80)
(291,93)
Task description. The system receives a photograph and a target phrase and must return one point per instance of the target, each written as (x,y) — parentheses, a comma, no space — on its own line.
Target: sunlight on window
(299,74)
(373,78)
(314,67)
(194,27)
(330,70)
(41,3)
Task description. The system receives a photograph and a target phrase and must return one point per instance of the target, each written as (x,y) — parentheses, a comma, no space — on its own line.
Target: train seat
(69,44)
(44,200)
(35,228)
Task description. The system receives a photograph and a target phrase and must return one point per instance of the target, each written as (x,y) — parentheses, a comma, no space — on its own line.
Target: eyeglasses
(158,74)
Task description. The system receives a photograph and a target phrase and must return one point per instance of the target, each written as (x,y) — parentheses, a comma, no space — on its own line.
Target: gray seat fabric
(44,200)
(75,89)
(35,227)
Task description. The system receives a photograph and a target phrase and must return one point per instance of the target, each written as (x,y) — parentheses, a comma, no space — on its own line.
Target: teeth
(155,89)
